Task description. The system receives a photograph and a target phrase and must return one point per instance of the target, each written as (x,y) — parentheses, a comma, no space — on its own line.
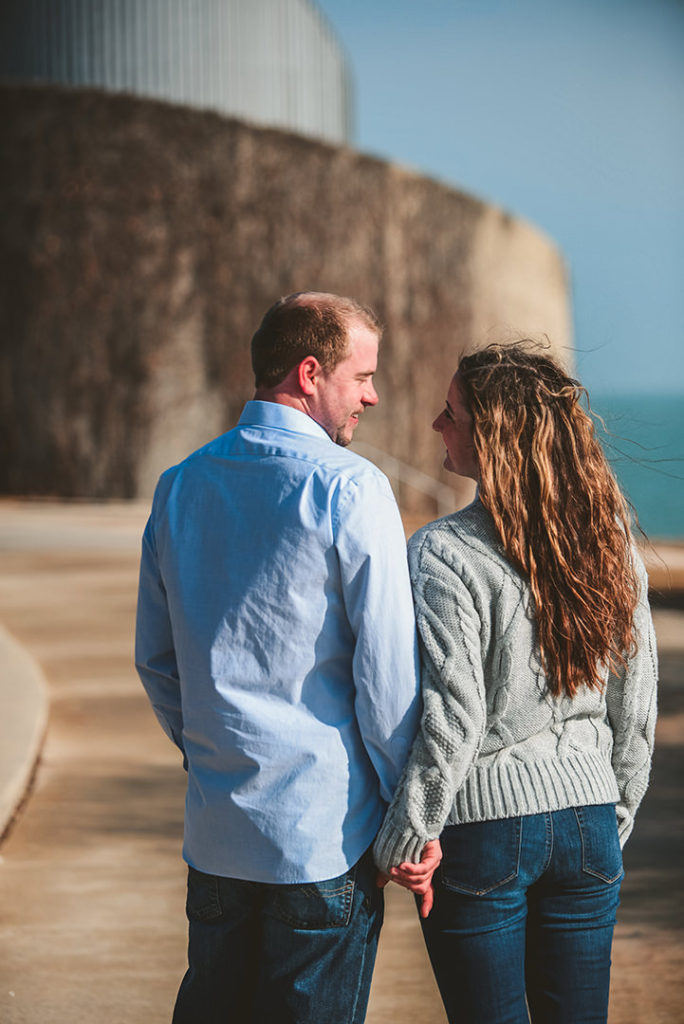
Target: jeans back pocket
(601,853)
(481,855)
(326,904)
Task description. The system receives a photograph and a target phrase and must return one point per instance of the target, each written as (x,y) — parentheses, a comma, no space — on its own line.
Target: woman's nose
(437,424)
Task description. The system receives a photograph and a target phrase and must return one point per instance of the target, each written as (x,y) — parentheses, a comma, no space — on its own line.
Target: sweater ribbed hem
(511,788)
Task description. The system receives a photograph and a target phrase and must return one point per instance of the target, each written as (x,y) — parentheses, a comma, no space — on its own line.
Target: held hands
(417,877)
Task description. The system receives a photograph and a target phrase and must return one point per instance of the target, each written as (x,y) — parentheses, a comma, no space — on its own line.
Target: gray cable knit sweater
(493,742)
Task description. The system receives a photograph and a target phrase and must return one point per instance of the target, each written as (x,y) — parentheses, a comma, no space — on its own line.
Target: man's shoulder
(210,448)
(335,466)
(358,490)
(350,464)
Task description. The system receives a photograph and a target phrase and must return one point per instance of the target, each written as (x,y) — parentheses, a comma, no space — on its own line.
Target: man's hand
(418,877)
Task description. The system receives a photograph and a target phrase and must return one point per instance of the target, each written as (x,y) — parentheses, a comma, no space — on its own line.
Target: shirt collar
(282,417)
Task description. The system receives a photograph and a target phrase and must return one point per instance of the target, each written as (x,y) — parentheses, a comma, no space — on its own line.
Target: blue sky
(569,113)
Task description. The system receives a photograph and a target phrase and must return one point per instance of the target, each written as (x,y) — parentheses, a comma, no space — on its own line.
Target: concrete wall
(144,241)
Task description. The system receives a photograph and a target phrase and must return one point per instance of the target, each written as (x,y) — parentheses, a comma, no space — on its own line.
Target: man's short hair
(305,324)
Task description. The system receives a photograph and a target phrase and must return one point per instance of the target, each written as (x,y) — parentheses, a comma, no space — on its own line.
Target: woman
(539,676)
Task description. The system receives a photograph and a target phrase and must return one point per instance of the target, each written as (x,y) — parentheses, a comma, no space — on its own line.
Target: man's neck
(281,398)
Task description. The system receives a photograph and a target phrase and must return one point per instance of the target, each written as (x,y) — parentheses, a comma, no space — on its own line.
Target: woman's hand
(418,877)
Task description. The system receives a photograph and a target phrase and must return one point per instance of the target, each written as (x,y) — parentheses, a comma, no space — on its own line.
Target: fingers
(418,887)
(411,871)
(429,860)
(381,879)
(427,902)
(418,877)
(414,882)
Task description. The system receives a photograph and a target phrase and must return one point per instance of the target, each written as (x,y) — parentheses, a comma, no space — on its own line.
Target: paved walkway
(91,879)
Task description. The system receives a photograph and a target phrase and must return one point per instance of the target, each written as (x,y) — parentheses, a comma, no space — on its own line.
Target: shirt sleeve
(376,590)
(155,656)
(631,703)
(454,714)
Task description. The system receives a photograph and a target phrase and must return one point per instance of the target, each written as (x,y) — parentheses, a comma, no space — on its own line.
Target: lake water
(645,445)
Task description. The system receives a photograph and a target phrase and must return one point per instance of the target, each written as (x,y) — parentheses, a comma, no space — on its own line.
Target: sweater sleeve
(454,712)
(631,705)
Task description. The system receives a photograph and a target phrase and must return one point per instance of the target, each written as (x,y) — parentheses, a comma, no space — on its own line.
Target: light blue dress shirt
(276,642)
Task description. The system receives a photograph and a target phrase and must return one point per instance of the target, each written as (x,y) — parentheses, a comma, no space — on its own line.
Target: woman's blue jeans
(523,919)
(280,954)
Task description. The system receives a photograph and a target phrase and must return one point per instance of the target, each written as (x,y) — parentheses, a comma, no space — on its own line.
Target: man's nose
(370,395)
(438,424)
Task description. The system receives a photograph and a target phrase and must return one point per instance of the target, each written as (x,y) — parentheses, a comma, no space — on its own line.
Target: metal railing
(443,496)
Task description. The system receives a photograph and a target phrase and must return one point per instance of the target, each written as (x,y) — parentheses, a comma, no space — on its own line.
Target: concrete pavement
(91,879)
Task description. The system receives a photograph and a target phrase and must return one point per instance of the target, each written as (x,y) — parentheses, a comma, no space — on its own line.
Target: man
(276,642)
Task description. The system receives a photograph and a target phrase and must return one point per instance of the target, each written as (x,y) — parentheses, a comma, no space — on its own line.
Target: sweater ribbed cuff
(392,847)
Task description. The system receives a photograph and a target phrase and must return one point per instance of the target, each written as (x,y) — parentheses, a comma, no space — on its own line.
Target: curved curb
(24,700)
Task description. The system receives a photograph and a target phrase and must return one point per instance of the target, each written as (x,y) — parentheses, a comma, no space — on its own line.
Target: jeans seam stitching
(360,974)
(479,892)
(599,874)
(550,837)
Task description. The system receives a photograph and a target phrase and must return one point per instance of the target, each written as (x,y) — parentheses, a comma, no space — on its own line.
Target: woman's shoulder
(471,529)
(465,542)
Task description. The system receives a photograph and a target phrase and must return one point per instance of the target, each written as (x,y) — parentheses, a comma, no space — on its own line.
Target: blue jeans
(523,918)
(280,954)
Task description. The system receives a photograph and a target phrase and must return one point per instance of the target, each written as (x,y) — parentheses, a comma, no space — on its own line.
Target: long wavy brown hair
(557,508)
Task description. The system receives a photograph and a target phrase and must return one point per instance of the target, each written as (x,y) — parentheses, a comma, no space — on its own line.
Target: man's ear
(308,373)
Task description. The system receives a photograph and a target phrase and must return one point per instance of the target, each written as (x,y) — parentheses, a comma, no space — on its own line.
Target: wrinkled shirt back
(276,641)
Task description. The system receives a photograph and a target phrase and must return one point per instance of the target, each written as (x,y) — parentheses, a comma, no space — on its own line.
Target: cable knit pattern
(494,742)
